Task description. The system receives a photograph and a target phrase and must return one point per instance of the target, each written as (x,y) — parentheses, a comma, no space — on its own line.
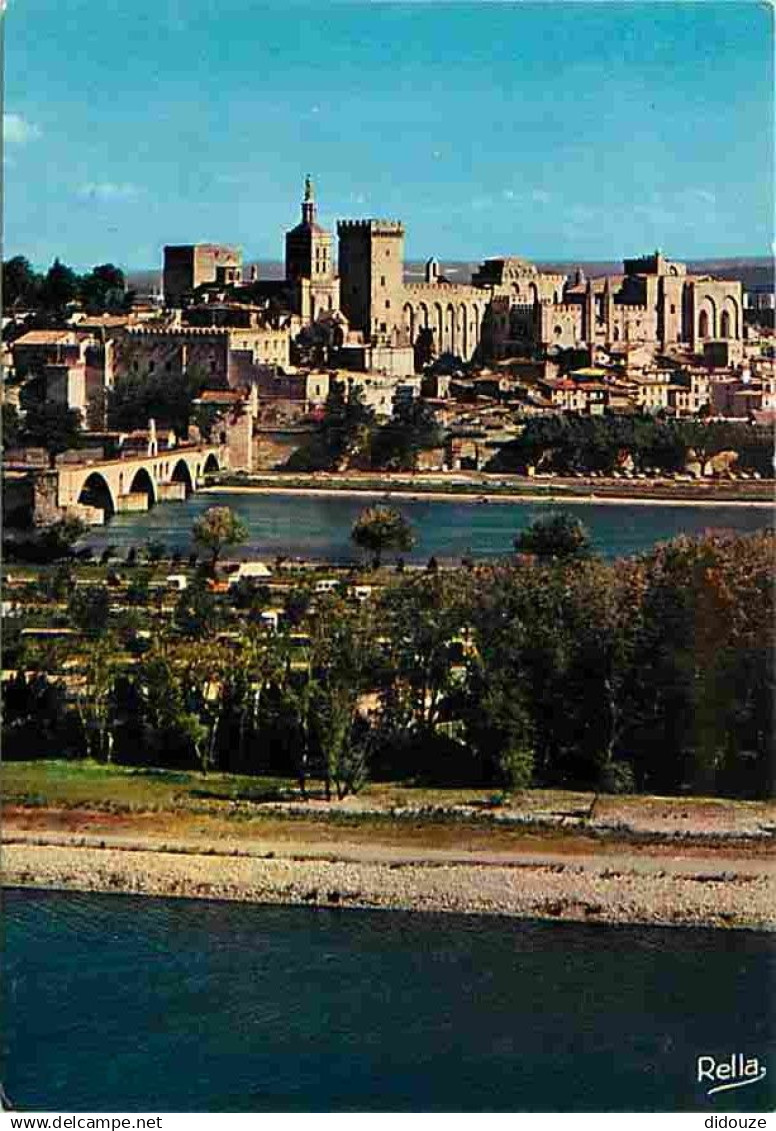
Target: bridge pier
(171,492)
(131,502)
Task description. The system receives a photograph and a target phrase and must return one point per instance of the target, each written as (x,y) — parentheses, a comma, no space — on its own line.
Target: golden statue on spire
(308,188)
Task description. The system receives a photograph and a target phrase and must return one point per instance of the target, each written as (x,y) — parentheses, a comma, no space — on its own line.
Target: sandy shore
(420,493)
(623,887)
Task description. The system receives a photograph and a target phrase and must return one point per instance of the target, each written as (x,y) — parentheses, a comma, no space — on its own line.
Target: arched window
(724,325)
(703,325)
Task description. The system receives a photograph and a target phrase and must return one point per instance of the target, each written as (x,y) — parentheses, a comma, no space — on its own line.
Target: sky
(554,131)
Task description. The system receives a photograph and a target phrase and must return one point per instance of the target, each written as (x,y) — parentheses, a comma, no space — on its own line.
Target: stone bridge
(98,489)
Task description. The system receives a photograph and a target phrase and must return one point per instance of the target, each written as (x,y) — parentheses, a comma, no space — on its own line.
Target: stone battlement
(376,227)
(443,291)
(202,331)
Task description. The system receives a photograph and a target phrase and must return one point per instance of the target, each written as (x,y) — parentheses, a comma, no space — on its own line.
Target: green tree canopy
(21,284)
(412,427)
(378,529)
(89,609)
(217,529)
(558,537)
(165,397)
(51,426)
(60,287)
(103,288)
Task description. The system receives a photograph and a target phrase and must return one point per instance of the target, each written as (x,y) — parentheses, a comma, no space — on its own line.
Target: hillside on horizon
(750,270)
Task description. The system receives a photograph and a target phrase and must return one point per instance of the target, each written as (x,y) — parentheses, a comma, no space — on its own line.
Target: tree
(103,288)
(95,700)
(558,537)
(89,609)
(51,426)
(165,397)
(344,434)
(21,285)
(216,529)
(412,428)
(196,612)
(378,529)
(11,426)
(60,287)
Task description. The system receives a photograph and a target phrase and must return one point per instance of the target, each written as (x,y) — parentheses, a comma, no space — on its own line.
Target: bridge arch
(211,464)
(181,473)
(143,483)
(95,492)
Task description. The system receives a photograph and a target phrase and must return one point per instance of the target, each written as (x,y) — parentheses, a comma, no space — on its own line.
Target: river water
(119,1003)
(318,526)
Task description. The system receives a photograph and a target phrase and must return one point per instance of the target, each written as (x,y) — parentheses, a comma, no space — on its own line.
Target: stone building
(189,266)
(310,274)
(434,315)
(224,355)
(75,367)
(655,302)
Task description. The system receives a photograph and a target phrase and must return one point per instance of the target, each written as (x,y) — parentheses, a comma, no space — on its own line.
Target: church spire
(308,203)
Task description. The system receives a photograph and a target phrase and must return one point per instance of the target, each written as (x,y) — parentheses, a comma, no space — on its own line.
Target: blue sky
(551,130)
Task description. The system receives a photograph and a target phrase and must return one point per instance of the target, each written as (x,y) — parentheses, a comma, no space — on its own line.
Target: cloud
(17,130)
(109,191)
(539,196)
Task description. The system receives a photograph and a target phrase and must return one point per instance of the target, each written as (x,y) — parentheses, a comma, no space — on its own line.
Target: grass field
(91,797)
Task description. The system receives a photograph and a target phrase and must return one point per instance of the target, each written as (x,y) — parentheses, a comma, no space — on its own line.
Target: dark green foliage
(196,612)
(50,544)
(51,426)
(11,426)
(559,537)
(601,443)
(344,434)
(378,529)
(89,609)
(412,427)
(59,288)
(164,397)
(654,674)
(103,289)
(21,285)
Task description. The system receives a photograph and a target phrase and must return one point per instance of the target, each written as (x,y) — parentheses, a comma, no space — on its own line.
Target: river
(318,526)
(121,1003)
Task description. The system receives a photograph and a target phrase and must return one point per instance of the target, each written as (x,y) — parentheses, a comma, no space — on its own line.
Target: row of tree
(555,668)
(350,435)
(570,442)
(102,289)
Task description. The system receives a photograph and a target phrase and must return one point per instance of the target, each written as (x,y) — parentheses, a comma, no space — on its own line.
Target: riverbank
(483,489)
(622,887)
(541,854)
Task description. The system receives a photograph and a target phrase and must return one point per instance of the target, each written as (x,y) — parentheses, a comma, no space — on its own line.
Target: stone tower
(371,268)
(308,245)
(310,264)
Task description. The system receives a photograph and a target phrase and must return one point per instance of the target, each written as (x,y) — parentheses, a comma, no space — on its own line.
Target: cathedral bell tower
(308,246)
